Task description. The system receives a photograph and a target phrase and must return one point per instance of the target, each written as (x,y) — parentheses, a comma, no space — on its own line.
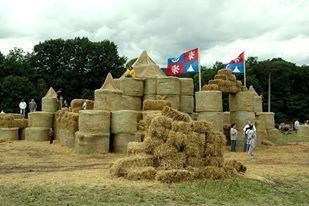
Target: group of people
(23,107)
(297,125)
(249,143)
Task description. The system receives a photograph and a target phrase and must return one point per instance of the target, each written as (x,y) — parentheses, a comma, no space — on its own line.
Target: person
(84,106)
(65,103)
(59,99)
(296,125)
(32,105)
(22,107)
(131,72)
(307,122)
(251,142)
(2,112)
(245,138)
(233,135)
(51,135)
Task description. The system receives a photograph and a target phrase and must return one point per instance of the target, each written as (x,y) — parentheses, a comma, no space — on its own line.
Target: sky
(165,28)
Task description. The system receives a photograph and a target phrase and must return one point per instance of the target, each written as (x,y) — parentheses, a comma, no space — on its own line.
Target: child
(251,140)
(233,134)
(51,135)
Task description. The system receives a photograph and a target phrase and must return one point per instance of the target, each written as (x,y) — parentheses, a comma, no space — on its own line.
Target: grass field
(36,173)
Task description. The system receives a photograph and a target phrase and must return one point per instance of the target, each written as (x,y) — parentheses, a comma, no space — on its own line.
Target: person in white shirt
(22,107)
(233,135)
(296,125)
(245,138)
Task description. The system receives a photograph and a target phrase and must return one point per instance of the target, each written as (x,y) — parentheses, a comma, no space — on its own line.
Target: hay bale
(214,161)
(69,121)
(135,148)
(86,143)
(260,121)
(108,100)
(214,150)
(303,131)
(124,121)
(36,134)
(208,101)
(8,134)
(168,86)
(169,176)
(150,114)
(241,118)
(175,115)
(76,105)
(116,83)
(20,123)
(186,86)
(261,134)
(269,120)
(224,72)
(121,166)
(242,101)
(216,118)
(173,99)
(49,104)
(238,166)
(155,104)
(258,104)
(274,134)
(132,87)
(121,140)
(92,121)
(210,87)
(227,118)
(66,137)
(40,119)
(187,104)
(150,86)
(267,143)
(141,173)
(149,97)
(131,103)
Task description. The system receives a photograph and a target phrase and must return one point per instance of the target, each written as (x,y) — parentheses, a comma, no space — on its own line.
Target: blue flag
(235,68)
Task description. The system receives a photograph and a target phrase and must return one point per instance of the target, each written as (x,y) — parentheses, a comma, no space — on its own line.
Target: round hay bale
(242,101)
(150,114)
(20,123)
(173,99)
(66,137)
(132,87)
(108,100)
(186,104)
(269,120)
(76,105)
(94,121)
(186,86)
(124,121)
(150,86)
(155,104)
(303,131)
(227,118)
(258,104)
(36,134)
(41,119)
(216,118)
(168,86)
(86,143)
(150,96)
(261,134)
(132,103)
(274,134)
(120,142)
(241,118)
(49,104)
(260,121)
(8,134)
(208,101)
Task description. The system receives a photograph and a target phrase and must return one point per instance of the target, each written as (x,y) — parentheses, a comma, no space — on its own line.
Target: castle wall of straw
(39,124)
(303,131)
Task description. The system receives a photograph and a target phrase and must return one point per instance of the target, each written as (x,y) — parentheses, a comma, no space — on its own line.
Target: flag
(237,65)
(185,63)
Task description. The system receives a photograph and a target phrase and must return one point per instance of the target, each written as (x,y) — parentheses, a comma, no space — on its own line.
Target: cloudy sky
(165,28)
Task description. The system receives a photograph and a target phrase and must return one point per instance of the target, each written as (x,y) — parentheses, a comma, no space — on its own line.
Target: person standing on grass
(233,135)
(296,125)
(22,107)
(246,138)
(251,142)
(32,105)
(51,135)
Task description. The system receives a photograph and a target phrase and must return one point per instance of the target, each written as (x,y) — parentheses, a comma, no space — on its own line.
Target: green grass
(222,192)
(284,139)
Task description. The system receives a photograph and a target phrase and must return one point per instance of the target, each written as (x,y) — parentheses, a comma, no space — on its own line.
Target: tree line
(79,66)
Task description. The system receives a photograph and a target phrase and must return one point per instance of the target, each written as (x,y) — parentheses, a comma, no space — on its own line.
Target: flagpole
(245,78)
(199,71)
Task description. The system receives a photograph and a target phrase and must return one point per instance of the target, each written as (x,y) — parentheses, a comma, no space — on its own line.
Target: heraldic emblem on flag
(185,63)
(237,65)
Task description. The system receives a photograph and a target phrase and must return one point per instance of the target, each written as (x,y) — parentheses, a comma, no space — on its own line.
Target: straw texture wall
(303,131)
(150,97)
(269,120)
(187,104)
(168,86)
(36,134)
(8,134)
(186,86)
(91,143)
(227,118)
(258,104)
(124,121)
(150,86)
(132,87)
(67,138)
(49,104)
(208,101)
(107,100)
(242,101)
(215,118)
(92,121)
(173,99)
(155,104)
(121,141)
(41,119)
(132,103)
(241,118)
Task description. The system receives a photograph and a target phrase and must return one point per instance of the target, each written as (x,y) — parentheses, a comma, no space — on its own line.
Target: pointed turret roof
(51,93)
(145,67)
(109,83)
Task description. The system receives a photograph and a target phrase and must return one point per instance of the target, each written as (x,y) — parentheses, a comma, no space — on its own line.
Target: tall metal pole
(245,78)
(269,91)
(199,71)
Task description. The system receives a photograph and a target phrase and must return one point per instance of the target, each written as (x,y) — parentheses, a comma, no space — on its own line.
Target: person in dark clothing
(51,135)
